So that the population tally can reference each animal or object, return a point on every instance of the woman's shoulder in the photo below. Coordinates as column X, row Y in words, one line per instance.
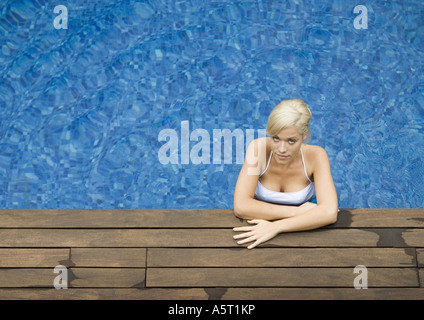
column 260, row 143
column 256, row 153
column 314, row 153
column 313, row 149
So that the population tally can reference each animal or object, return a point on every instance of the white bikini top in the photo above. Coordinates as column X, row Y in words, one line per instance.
column 288, row 198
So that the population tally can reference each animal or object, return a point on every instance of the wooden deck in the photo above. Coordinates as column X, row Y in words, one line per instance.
column 180, row 254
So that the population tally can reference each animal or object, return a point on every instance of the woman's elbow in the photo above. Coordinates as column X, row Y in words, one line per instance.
column 240, row 210
column 328, row 214
column 332, row 215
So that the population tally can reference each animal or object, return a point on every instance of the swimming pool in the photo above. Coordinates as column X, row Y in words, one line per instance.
column 86, row 109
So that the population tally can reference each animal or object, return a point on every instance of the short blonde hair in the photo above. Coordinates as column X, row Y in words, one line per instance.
column 289, row 113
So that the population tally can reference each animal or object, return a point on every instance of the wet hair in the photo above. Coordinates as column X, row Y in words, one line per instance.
column 289, row 113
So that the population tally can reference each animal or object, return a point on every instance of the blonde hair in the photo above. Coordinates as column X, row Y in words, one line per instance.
column 289, row 113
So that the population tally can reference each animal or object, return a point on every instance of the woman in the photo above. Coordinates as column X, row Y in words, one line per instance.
column 279, row 177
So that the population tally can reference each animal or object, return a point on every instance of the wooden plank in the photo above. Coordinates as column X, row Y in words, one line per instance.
column 77, row 277
column 21, row 258
column 103, row 294
column 189, row 218
column 118, row 218
column 420, row 258
column 115, row 237
column 242, row 294
column 277, row 277
column 413, row 237
column 280, row 257
column 41, row 277
column 178, row 238
column 379, row 218
column 108, row 257
column 246, row 294
column 108, row 277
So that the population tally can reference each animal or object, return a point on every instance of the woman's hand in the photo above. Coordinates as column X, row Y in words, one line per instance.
column 261, row 231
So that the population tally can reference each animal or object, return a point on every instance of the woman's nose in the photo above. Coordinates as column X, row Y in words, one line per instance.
column 282, row 147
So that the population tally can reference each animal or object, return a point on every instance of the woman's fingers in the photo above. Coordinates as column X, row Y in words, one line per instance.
column 242, row 229
column 249, row 235
column 262, row 231
column 246, row 240
column 242, row 235
column 255, row 221
column 254, row 244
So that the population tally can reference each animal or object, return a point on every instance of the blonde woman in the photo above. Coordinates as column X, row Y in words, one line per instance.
column 280, row 177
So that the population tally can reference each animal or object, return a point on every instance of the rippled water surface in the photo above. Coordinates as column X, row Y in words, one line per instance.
column 82, row 108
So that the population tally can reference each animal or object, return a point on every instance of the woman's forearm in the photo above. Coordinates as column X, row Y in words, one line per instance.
column 262, row 230
column 316, row 217
column 255, row 209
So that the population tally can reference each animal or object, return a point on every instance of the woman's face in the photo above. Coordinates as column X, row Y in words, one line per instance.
column 286, row 145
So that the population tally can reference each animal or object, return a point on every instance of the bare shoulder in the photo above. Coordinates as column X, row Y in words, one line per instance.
column 259, row 144
column 314, row 150
column 261, row 141
column 315, row 154
column 256, row 153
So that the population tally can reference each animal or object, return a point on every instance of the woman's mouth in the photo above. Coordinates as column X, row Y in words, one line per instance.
column 282, row 157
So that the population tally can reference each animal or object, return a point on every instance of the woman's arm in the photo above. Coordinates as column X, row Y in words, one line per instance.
column 324, row 213
column 245, row 206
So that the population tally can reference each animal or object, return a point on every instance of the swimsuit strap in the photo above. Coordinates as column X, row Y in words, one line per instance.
column 303, row 161
column 270, row 156
column 304, row 167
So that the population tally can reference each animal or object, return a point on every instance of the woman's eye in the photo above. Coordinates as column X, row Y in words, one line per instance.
column 276, row 139
column 292, row 141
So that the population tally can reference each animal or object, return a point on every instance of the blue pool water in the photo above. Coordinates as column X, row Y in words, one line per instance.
column 82, row 108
